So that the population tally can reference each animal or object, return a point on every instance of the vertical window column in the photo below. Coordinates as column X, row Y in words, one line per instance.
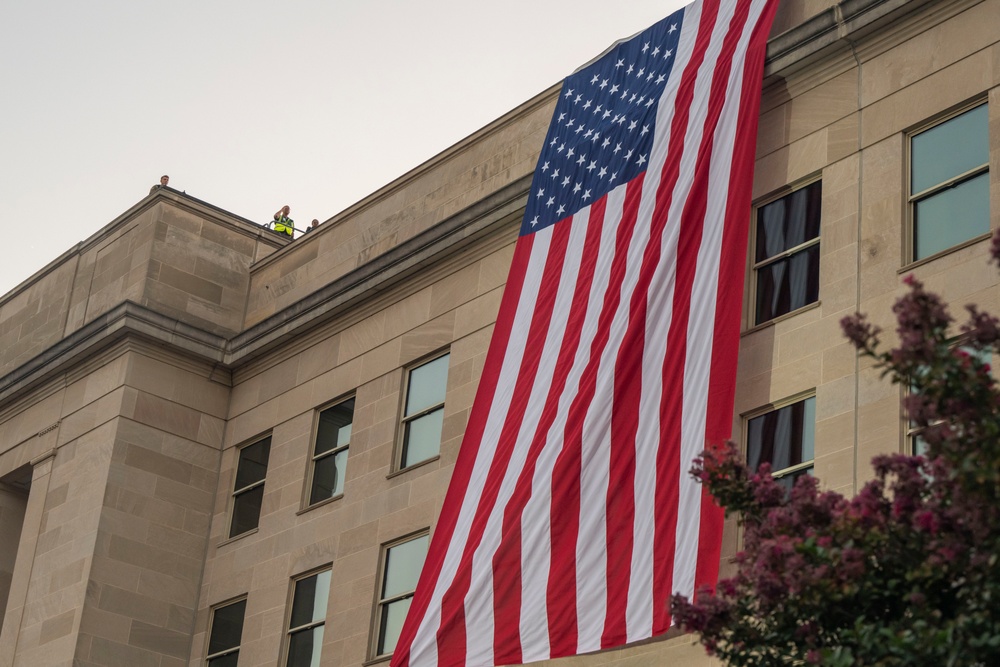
column 401, row 565
column 333, row 438
column 248, row 488
column 423, row 412
column 786, row 253
column 307, row 620
column 950, row 182
column 784, row 438
column 224, row 638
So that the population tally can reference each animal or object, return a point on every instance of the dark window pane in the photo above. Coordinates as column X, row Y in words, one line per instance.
column 304, row 647
column 427, row 385
column 423, row 437
column 328, row 477
column 951, row 216
column 788, row 284
column 789, row 221
column 228, row 660
column 782, row 437
column 950, row 149
column 335, row 427
column 402, row 567
column 227, row 627
column 309, row 602
column 391, row 623
column 252, row 465
column 246, row 510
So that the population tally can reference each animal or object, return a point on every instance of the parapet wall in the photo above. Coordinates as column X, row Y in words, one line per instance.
column 171, row 253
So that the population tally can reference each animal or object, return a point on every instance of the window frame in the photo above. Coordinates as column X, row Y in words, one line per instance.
column 911, row 432
column 754, row 266
column 383, row 561
column 313, row 458
column 211, row 626
column 402, row 440
column 235, row 493
column 801, row 397
column 911, row 198
column 288, row 632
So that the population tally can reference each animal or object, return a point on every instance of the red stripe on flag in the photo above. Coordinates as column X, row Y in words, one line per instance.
column 564, row 517
column 621, row 481
column 692, row 228
column 564, row 550
column 452, row 633
column 666, row 488
column 725, row 348
column 465, row 463
column 507, row 559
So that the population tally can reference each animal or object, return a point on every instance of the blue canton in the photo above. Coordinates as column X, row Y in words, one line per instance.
column 602, row 130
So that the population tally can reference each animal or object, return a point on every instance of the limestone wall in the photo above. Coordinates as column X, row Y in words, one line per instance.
column 847, row 125
column 169, row 252
column 13, row 504
column 501, row 153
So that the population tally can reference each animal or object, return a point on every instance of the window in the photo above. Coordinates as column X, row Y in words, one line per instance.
column 329, row 460
column 248, row 490
column 401, row 564
column 786, row 253
column 423, row 412
column 784, row 437
column 950, row 182
column 224, row 638
column 305, row 625
column 914, row 433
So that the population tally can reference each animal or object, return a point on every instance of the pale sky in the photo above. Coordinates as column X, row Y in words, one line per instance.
column 252, row 104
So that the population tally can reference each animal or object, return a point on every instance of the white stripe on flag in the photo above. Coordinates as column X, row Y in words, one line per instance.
column 592, row 552
column 639, row 616
column 701, row 330
column 424, row 646
column 479, row 609
column 535, row 527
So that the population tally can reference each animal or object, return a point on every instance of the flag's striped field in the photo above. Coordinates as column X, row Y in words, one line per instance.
column 571, row 516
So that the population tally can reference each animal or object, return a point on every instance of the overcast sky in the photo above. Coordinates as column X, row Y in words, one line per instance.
column 252, row 104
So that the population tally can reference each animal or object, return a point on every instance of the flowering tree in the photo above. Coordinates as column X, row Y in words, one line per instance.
column 905, row 573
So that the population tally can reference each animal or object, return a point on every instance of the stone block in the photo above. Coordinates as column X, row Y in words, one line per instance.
column 158, row 640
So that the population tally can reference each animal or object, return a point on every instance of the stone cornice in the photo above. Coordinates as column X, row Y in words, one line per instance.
column 498, row 212
column 125, row 319
column 832, row 30
column 495, row 212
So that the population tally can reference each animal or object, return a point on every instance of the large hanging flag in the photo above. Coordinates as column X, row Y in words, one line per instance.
column 571, row 516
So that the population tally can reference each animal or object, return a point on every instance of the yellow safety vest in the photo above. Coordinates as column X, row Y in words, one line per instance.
column 283, row 225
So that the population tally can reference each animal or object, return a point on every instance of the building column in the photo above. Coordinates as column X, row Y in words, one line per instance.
column 13, row 503
column 41, row 468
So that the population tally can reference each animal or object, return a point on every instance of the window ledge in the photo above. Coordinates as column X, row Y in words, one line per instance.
column 781, row 318
column 234, row 538
column 947, row 251
column 325, row 501
column 397, row 473
column 377, row 660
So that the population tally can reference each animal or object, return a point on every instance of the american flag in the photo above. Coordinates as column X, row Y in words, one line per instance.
column 571, row 517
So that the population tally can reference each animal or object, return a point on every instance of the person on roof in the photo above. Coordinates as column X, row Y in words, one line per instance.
column 282, row 223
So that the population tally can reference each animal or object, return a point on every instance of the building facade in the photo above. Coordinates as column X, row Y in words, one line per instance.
column 222, row 447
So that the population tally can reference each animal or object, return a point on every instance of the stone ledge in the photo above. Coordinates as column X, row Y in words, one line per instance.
column 485, row 216
column 125, row 319
column 832, row 30
column 488, row 216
